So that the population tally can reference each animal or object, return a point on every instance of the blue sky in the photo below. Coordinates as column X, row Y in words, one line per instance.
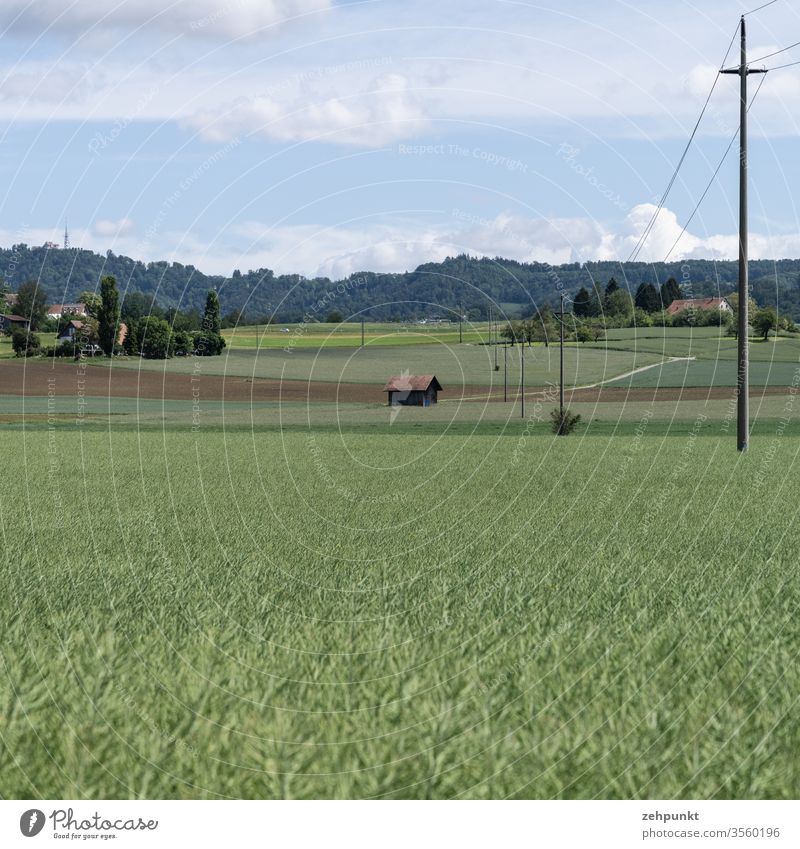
column 328, row 137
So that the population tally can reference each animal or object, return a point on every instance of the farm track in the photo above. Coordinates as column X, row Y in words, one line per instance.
column 69, row 379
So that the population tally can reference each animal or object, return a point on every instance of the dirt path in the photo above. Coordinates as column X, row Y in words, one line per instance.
column 635, row 371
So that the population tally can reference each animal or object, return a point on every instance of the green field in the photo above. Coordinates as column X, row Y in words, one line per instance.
column 348, row 334
column 712, row 362
column 298, row 615
column 453, row 365
column 301, row 600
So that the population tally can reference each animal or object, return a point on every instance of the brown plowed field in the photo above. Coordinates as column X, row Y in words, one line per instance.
column 18, row 377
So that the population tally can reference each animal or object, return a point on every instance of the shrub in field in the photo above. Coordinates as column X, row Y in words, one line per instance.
column 24, row 343
column 563, row 426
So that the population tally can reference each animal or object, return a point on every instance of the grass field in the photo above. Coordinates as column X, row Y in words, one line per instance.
column 348, row 334
column 311, row 614
column 708, row 359
column 453, row 365
column 337, row 599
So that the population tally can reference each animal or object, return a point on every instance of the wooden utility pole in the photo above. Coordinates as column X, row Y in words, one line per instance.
column 742, row 373
column 561, row 373
column 522, row 376
column 362, row 332
column 496, row 367
column 505, row 372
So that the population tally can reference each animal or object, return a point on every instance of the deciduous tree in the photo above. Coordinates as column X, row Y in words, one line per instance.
column 764, row 321
column 31, row 303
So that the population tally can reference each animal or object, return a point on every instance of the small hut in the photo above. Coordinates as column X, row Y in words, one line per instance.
column 411, row 390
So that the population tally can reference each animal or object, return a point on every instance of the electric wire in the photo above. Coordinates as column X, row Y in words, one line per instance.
column 774, row 53
column 643, row 238
column 787, row 65
column 759, row 8
column 713, row 176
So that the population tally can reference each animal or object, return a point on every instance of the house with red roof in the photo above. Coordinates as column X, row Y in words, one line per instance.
column 411, row 390
column 684, row 304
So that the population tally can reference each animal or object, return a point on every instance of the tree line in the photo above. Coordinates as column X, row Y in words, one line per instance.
column 133, row 325
column 457, row 285
column 592, row 312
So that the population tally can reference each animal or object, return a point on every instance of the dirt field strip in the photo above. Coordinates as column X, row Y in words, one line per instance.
column 43, row 377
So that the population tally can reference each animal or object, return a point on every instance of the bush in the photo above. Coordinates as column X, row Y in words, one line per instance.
column 567, row 425
column 208, row 344
column 184, row 343
column 701, row 318
column 65, row 349
column 24, row 343
column 153, row 339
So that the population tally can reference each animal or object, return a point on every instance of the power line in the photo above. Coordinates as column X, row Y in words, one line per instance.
column 713, row 176
column 643, row 238
column 787, row 65
column 774, row 53
column 759, row 8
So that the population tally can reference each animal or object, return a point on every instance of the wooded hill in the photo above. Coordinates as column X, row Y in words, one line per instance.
column 431, row 290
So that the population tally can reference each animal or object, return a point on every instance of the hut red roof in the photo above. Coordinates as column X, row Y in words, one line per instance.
column 411, row 383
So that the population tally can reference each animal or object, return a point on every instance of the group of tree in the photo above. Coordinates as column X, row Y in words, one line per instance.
column 615, row 301
column 457, row 284
column 134, row 325
column 156, row 335
column 595, row 312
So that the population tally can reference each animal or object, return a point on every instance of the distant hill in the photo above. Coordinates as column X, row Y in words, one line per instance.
column 433, row 289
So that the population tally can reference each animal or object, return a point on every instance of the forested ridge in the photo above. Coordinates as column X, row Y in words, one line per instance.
column 433, row 289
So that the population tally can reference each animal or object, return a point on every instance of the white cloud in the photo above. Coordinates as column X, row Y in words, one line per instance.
column 224, row 18
column 403, row 245
column 40, row 82
column 338, row 251
column 387, row 110
column 113, row 229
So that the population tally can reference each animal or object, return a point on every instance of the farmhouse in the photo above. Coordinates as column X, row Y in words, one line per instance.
column 72, row 330
column 75, row 327
column 412, row 390
column 57, row 310
column 684, row 304
column 9, row 321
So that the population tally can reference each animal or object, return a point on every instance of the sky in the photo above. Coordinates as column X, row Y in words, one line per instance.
column 324, row 137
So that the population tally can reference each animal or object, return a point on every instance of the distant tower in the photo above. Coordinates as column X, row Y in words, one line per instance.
column 66, row 236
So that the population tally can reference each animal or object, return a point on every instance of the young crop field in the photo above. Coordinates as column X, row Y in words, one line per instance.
column 638, row 357
column 352, row 614
column 246, row 576
column 348, row 334
column 454, row 365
